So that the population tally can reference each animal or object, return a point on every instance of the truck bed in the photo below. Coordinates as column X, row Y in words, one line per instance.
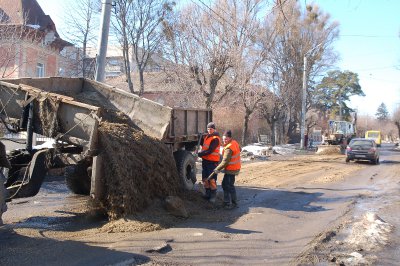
column 82, row 102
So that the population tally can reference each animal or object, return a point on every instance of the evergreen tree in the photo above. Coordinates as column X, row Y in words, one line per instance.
column 334, row 91
column 382, row 113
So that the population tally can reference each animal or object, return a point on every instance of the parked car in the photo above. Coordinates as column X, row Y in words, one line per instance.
column 362, row 149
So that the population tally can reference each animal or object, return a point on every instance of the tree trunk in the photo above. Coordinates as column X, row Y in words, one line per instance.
column 291, row 129
column 274, row 133
column 210, row 96
column 245, row 126
column 127, row 66
column 141, row 80
column 83, row 59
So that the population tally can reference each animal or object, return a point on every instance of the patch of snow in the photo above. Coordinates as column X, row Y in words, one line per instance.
column 356, row 259
column 256, row 149
column 284, row 149
column 370, row 233
column 46, row 145
column 36, row 27
column 356, row 255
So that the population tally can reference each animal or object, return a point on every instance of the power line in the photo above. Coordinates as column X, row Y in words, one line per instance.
column 378, row 68
column 368, row 36
column 280, row 5
column 212, row 11
column 384, row 80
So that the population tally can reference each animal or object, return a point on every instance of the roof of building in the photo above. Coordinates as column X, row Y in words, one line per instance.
column 29, row 13
column 154, row 82
column 112, row 51
column 26, row 12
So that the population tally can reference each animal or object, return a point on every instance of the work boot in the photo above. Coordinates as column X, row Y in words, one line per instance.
column 213, row 196
column 234, row 204
column 208, row 194
column 227, row 205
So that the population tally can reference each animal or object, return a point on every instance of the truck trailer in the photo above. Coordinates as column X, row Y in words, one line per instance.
column 74, row 124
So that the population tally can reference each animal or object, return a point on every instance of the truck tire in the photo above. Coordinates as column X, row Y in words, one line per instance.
column 186, row 166
column 78, row 179
column 30, row 178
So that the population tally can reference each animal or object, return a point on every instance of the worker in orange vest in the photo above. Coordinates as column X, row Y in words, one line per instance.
column 230, row 165
column 210, row 155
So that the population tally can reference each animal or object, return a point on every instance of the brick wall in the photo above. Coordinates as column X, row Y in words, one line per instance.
column 8, row 61
column 34, row 54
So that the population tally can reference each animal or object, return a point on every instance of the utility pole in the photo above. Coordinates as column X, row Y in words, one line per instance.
column 304, row 98
column 303, row 104
column 340, row 105
column 103, row 40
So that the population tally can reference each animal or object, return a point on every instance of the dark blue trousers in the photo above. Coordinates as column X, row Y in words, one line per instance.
column 228, row 185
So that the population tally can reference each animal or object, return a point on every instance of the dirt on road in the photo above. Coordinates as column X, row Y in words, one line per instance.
column 299, row 210
column 274, row 173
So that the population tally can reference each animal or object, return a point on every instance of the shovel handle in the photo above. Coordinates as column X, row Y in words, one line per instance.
column 208, row 178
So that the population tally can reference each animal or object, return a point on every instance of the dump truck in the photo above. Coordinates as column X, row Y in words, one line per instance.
column 340, row 132
column 338, row 136
column 76, row 131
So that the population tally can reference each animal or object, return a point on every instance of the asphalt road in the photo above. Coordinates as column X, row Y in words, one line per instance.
column 272, row 226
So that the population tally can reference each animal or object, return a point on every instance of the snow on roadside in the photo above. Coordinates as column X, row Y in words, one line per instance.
column 256, row 149
column 285, row 149
column 260, row 149
column 370, row 233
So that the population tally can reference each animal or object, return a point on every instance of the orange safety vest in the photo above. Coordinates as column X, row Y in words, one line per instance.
column 214, row 156
column 234, row 163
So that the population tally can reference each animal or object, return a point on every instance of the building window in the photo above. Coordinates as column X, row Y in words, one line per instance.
column 40, row 70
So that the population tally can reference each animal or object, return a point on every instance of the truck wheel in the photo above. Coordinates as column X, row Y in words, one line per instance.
column 30, row 178
column 186, row 165
column 78, row 179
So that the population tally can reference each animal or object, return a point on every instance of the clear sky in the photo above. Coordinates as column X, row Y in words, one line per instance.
column 369, row 45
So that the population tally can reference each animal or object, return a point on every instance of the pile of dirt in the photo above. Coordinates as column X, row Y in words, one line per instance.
column 137, row 169
column 156, row 217
column 328, row 149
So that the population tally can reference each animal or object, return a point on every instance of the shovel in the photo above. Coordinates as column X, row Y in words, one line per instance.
column 197, row 146
column 208, row 178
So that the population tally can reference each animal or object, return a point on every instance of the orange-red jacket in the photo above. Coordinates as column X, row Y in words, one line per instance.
column 214, row 156
column 234, row 164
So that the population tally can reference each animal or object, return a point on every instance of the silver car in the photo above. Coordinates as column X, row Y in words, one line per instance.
column 362, row 149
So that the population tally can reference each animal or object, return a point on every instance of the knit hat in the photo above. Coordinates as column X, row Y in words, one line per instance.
column 228, row 133
column 211, row 125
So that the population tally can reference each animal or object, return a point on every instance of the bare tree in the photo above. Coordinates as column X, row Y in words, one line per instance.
column 81, row 20
column 299, row 34
column 396, row 120
column 250, row 48
column 121, row 29
column 199, row 49
column 138, row 25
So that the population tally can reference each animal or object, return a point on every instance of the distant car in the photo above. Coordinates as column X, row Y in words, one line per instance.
column 362, row 149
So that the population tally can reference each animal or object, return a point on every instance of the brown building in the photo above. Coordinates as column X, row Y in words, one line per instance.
column 29, row 43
